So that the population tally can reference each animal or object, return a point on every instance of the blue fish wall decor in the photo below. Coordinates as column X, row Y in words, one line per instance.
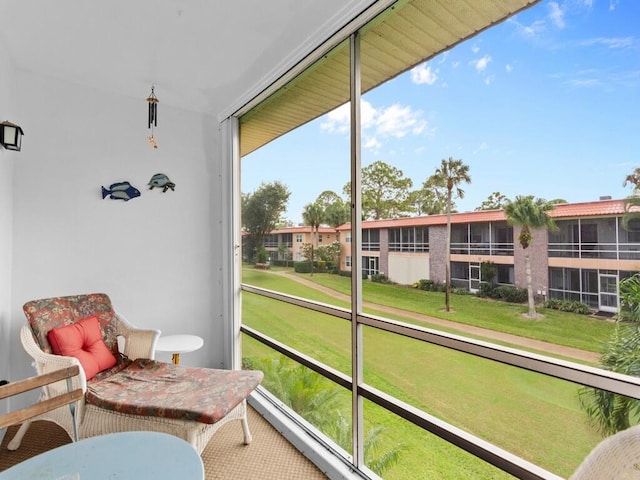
column 160, row 180
column 121, row 191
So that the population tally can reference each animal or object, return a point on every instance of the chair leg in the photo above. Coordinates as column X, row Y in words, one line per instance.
column 245, row 429
column 15, row 442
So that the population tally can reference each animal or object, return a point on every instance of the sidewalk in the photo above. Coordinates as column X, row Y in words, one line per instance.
column 542, row 347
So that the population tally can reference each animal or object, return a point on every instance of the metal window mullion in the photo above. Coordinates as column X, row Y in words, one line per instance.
column 356, row 252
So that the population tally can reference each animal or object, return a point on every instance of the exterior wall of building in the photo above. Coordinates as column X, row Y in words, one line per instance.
column 407, row 268
column 573, row 259
column 438, row 257
column 384, row 251
column 539, row 262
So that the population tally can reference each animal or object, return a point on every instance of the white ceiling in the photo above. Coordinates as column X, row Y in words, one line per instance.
column 201, row 55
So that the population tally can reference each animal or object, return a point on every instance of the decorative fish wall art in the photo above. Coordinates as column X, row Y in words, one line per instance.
column 160, row 180
column 121, row 191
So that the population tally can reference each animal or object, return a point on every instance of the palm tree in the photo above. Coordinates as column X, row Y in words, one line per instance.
column 529, row 214
column 313, row 215
column 609, row 411
column 318, row 401
column 450, row 175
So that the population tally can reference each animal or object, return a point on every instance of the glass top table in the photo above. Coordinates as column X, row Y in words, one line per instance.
column 125, row 456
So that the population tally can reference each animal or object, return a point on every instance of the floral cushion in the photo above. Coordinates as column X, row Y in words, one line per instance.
column 49, row 313
column 151, row 388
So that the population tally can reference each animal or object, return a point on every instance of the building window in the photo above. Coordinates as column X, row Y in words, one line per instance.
column 347, row 261
column 319, row 238
column 298, row 238
column 347, row 237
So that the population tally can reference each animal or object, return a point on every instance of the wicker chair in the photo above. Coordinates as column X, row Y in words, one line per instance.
column 191, row 403
column 615, row 458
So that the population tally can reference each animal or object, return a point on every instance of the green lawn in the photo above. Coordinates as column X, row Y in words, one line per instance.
column 528, row 414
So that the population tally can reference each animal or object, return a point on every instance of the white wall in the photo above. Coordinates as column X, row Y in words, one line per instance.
column 6, row 171
column 406, row 268
column 153, row 254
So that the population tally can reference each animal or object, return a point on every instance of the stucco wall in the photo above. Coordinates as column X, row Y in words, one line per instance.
column 406, row 268
column 157, row 256
column 7, row 160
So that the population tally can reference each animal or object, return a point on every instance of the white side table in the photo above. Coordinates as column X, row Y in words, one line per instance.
column 177, row 344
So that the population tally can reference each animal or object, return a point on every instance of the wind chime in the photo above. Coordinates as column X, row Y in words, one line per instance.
column 153, row 101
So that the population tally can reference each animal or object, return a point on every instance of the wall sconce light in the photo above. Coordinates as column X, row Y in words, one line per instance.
column 11, row 136
column 153, row 101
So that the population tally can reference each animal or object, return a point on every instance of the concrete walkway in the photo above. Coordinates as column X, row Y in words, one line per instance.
column 540, row 346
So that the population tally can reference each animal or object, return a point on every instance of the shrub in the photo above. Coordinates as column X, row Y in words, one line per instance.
column 431, row 286
column 511, row 294
column 487, row 290
column 571, row 306
column 302, row 267
column 380, row 278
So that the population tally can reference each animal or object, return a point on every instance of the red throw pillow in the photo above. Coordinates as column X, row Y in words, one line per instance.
column 83, row 340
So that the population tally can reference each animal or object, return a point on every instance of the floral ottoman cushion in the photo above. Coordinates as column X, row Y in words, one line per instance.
column 159, row 389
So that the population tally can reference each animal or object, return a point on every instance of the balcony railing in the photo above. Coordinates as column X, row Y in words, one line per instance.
column 482, row 248
column 553, row 368
column 408, row 247
column 610, row 251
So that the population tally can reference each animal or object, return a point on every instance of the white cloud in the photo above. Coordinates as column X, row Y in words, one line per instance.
column 481, row 64
column 508, row 68
column 556, row 14
column 423, row 74
column 482, row 146
column 529, row 31
column 337, row 121
column 611, row 42
column 475, row 48
column 378, row 124
column 397, row 121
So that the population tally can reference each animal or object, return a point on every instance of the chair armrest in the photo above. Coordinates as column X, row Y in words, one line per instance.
column 138, row 342
column 48, row 362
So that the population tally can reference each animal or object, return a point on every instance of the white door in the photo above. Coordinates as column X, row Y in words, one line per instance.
column 474, row 277
column 608, row 298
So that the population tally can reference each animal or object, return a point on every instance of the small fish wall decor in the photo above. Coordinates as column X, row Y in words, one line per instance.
column 160, row 180
column 121, row 191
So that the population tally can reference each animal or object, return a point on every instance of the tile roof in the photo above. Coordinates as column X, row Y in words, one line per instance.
column 598, row 208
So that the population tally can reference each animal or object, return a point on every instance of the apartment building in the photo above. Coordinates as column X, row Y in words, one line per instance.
column 583, row 260
column 286, row 243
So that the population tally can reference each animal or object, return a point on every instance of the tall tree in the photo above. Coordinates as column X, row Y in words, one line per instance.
column 429, row 200
column 261, row 211
column 529, row 214
column 495, row 201
column 313, row 215
column 632, row 202
column 634, row 179
column 338, row 213
column 450, row 174
column 385, row 191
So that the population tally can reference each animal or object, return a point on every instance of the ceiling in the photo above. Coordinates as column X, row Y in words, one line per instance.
column 201, row 55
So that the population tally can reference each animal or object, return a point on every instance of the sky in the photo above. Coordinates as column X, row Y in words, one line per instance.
column 546, row 103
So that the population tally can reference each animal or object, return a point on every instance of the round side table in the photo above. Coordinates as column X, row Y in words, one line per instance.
column 177, row 344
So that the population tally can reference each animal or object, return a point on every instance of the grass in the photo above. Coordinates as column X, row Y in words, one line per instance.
column 528, row 414
column 562, row 328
